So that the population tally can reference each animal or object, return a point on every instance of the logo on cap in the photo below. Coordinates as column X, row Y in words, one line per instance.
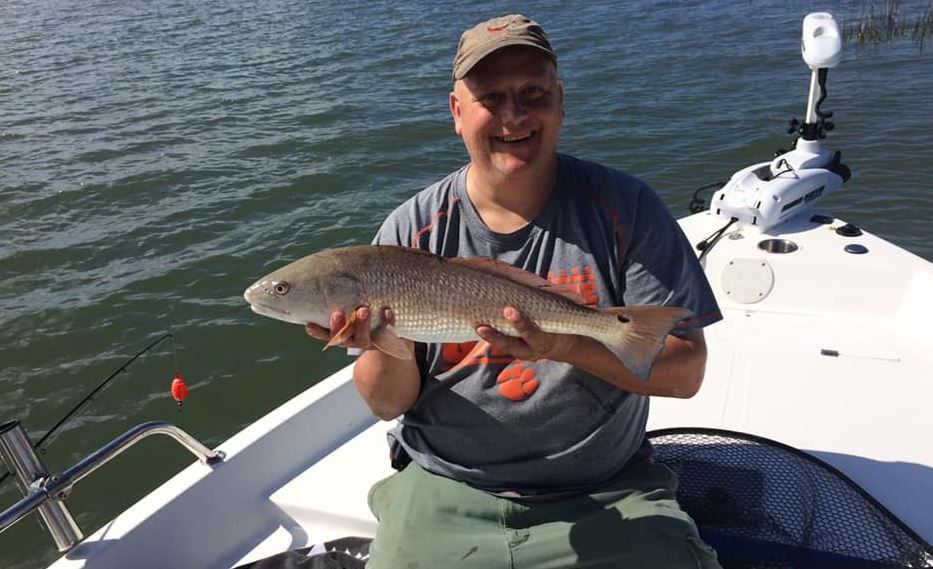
column 484, row 38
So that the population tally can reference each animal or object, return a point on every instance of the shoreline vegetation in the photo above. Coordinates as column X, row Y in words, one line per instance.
column 888, row 22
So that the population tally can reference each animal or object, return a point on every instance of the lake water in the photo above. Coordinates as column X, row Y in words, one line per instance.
column 156, row 158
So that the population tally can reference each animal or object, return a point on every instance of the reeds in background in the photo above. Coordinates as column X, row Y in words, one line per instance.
column 887, row 22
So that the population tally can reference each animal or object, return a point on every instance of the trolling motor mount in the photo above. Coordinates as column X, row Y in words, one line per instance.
column 769, row 193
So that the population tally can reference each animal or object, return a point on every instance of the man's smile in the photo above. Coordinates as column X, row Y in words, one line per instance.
column 514, row 138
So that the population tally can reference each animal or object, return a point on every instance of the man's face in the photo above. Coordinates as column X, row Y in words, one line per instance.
column 509, row 110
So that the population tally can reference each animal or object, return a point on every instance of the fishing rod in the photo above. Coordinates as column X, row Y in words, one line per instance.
column 178, row 391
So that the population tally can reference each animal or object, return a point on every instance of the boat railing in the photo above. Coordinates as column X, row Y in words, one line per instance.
column 46, row 492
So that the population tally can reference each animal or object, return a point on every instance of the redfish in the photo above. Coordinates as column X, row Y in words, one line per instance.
column 437, row 299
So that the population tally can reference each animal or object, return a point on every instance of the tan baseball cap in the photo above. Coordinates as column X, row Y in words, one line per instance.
column 491, row 35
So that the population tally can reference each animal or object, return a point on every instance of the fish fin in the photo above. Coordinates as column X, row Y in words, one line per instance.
column 383, row 338
column 404, row 248
column 498, row 268
column 517, row 275
column 642, row 335
column 390, row 343
column 343, row 334
column 478, row 349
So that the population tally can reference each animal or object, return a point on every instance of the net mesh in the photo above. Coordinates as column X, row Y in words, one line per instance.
column 762, row 504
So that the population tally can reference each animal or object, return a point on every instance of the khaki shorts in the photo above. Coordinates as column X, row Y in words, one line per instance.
column 431, row 522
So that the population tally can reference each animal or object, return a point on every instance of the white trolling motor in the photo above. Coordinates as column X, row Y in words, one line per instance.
column 768, row 193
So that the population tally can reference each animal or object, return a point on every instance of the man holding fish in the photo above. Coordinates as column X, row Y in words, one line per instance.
column 522, row 351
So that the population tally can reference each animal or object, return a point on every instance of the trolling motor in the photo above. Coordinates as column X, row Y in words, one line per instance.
column 768, row 193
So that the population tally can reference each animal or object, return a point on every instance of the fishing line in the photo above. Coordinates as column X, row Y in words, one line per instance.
column 104, row 384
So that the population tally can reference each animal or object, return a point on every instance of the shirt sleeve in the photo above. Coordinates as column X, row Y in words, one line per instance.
column 660, row 267
column 392, row 231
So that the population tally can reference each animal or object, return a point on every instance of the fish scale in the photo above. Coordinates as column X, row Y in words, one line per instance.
column 424, row 311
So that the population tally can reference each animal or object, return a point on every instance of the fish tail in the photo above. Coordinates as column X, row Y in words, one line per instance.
column 640, row 336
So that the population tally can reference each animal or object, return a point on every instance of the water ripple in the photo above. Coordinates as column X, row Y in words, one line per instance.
column 156, row 158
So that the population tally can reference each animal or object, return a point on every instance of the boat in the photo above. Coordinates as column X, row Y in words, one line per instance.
column 815, row 404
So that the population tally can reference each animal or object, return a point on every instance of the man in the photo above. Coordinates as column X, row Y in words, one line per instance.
column 530, row 451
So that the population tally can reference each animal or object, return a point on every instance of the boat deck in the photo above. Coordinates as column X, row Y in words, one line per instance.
column 820, row 349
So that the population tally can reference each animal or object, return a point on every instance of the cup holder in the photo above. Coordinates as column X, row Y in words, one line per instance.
column 777, row 246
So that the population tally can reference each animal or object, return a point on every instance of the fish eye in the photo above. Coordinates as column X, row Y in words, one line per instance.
column 280, row 287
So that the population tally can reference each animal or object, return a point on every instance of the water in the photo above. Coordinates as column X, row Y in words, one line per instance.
column 156, row 159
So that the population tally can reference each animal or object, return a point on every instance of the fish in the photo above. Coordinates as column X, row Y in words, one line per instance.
column 437, row 299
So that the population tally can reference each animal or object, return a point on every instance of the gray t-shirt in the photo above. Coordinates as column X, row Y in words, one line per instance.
column 507, row 425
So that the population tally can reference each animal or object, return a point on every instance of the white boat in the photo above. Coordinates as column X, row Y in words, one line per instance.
column 823, row 347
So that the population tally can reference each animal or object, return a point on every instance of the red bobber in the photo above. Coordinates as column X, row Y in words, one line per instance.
column 179, row 388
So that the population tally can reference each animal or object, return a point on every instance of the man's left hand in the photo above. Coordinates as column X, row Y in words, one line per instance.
column 532, row 343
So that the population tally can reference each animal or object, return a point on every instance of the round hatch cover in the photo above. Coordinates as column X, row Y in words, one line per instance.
column 746, row 281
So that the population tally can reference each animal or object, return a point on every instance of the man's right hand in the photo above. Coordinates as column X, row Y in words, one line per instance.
column 357, row 335
column 388, row 384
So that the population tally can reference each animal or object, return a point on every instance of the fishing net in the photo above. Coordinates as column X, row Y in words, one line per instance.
column 342, row 553
column 762, row 504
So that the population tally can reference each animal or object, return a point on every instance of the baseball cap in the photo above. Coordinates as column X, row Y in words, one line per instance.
column 491, row 35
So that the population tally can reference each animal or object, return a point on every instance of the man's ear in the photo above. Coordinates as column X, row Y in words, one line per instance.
column 456, row 112
column 560, row 91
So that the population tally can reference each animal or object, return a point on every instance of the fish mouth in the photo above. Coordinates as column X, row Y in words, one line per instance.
column 267, row 305
column 268, row 310
column 254, row 296
column 272, row 312
column 276, row 313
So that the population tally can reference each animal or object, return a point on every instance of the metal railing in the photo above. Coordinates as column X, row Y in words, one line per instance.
column 46, row 492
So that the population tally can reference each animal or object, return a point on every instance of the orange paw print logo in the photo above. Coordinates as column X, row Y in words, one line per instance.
column 517, row 382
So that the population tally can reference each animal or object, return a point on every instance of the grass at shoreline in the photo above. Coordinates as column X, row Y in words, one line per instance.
column 887, row 22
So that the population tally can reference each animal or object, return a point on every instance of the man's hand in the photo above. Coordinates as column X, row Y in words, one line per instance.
column 677, row 372
column 532, row 343
column 352, row 333
column 389, row 384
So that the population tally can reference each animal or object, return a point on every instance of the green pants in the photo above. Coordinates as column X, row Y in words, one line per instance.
column 431, row 522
